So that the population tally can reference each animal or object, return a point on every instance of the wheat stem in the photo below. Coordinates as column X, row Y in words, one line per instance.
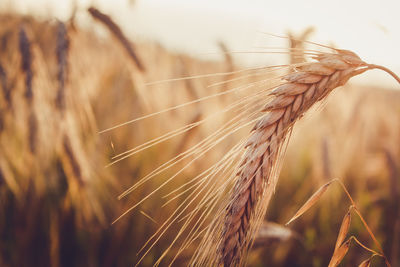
column 373, row 66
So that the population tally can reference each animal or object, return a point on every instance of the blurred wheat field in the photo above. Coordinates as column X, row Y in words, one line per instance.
column 61, row 85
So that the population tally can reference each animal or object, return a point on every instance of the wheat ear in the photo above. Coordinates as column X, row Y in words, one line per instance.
column 258, row 171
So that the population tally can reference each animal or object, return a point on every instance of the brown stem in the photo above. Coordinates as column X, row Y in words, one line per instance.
column 373, row 66
column 364, row 222
column 365, row 247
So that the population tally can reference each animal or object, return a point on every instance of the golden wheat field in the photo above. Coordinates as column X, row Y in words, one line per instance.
column 116, row 152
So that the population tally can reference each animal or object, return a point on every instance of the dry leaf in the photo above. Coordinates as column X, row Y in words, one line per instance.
column 365, row 263
column 270, row 232
column 339, row 254
column 344, row 229
column 310, row 202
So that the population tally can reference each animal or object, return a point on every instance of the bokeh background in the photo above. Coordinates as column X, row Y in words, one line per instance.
column 68, row 72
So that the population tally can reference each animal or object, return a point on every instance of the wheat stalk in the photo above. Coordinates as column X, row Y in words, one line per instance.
column 25, row 48
column 62, row 60
column 116, row 30
column 257, row 174
column 26, row 63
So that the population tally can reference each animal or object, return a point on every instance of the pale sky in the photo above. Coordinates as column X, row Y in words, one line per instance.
column 371, row 28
